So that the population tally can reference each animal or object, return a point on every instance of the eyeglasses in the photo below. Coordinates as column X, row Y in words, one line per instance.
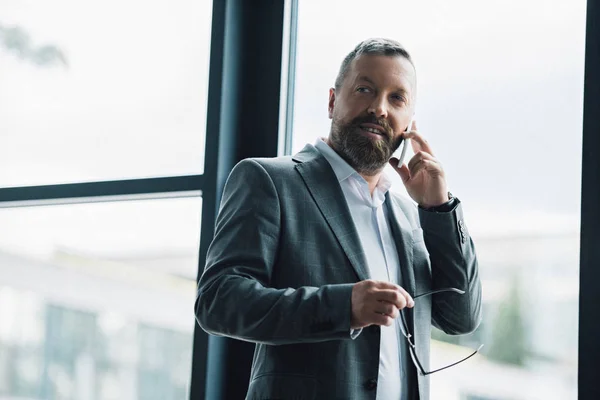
column 411, row 344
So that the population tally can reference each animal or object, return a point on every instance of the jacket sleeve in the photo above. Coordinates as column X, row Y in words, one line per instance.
column 234, row 298
column 453, row 264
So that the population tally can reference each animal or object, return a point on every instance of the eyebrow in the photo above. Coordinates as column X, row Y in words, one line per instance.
column 369, row 80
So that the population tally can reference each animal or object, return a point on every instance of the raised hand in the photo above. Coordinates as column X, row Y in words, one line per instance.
column 424, row 176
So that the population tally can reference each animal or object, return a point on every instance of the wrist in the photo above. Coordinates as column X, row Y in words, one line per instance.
column 438, row 202
column 446, row 206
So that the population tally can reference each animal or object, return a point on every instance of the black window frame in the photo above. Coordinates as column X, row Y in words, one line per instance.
column 589, row 272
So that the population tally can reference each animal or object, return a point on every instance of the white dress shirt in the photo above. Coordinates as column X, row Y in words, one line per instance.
column 371, row 221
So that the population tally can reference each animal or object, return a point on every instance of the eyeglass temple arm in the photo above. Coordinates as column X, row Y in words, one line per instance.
column 455, row 290
column 453, row 364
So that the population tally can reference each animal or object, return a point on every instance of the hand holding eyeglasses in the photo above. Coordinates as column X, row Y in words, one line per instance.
column 380, row 303
column 377, row 303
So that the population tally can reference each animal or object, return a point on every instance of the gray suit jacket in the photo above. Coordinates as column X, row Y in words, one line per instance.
column 280, row 271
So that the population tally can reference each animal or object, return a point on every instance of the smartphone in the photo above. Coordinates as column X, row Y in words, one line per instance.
column 404, row 143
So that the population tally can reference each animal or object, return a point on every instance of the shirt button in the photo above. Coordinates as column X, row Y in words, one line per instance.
column 371, row 384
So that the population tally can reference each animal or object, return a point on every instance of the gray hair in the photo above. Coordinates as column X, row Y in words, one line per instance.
column 375, row 46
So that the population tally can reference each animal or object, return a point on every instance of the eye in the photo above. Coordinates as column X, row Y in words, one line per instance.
column 363, row 89
column 398, row 97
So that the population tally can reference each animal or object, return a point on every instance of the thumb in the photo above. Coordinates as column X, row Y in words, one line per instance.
column 401, row 170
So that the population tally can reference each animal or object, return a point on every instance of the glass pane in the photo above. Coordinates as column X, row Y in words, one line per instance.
column 96, row 300
column 500, row 100
column 85, row 88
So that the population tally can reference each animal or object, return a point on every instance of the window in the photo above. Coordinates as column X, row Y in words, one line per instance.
column 500, row 100
column 96, row 299
column 102, row 91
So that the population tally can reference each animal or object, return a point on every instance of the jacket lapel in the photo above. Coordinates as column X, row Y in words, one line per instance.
column 403, row 237
column 327, row 193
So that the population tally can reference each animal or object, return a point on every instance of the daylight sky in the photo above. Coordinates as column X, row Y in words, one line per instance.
column 500, row 100
column 500, row 95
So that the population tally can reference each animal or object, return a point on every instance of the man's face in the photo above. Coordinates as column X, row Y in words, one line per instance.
column 371, row 110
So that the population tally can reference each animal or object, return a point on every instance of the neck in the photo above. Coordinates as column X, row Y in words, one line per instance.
column 372, row 180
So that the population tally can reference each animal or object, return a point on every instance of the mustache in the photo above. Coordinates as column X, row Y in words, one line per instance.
column 370, row 119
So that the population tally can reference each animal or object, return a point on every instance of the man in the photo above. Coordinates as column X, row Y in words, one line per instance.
column 314, row 260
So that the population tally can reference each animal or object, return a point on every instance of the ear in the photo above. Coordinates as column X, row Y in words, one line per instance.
column 331, row 102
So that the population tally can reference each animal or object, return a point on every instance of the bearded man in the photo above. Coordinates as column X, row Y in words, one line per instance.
column 336, row 279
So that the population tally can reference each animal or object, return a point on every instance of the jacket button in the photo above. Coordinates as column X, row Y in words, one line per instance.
column 371, row 384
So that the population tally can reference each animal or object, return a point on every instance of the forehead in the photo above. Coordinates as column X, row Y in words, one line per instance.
column 384, row 71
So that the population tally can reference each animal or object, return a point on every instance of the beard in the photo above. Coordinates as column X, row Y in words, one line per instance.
column 367, row 156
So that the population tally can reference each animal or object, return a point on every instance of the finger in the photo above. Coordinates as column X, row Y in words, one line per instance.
column 421, row 155
column 400, row 298
column 418, row 142
column 390, row 289
column 425, row 165
column 386, row 285
column 388, row 309
column 409, row 300
column 391, row 296
column 402, row 170
column 404, row 293
column 380, row 319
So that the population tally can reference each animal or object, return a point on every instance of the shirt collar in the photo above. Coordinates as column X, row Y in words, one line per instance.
column 343, row 170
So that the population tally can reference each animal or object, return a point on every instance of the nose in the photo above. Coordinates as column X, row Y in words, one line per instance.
column 379, row 107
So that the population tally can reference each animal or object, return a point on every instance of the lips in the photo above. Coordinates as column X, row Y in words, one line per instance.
column 373, row 128
column 373, row 131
